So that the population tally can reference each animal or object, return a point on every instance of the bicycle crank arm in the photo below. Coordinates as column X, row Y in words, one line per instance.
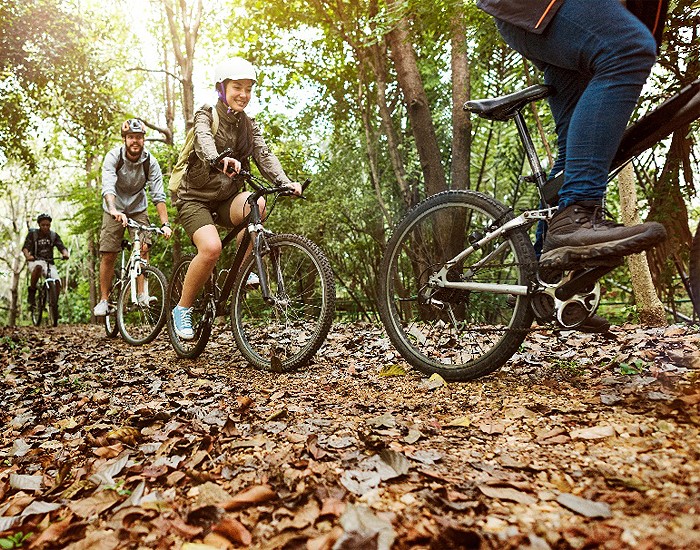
column 582, row 281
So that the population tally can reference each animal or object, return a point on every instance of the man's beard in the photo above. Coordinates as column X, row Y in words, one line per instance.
column 134, row 154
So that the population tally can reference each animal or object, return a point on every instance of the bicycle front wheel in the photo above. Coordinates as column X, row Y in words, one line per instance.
column 110, row 320
column 39, row 304
column 52, row 301
column 141, row 321
column 283, row 332
column 202, row 313
column 459, row 334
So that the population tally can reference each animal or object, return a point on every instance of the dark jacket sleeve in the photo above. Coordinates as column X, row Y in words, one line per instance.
column 652, row 13
column 531, row 15
column 58, row 243
column 29, row 242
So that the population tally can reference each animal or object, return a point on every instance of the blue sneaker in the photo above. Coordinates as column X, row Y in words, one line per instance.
column 182, row 322
column 252, row 282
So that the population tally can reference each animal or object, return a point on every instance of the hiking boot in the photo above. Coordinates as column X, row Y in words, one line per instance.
column 580, row 235
column 31, row 296
column 595, row 324
column 101, row 309
column 182, row 322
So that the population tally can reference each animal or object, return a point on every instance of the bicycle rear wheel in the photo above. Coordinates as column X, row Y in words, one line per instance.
column 139, row 323
column 110, row 320
column 202, row 313
column 39, row 304
column 284, row 333
column 459, row 334
column 52, row 302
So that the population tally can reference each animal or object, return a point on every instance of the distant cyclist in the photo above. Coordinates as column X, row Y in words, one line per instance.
column 126, row 172
column 38, row 250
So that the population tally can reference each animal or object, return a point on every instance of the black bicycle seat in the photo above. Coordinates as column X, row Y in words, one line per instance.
column 507, row 106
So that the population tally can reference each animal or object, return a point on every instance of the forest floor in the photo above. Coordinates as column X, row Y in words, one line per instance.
column 580, row 441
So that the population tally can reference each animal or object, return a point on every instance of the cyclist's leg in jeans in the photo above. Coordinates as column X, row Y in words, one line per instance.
column 605, row 43
column 569, row 86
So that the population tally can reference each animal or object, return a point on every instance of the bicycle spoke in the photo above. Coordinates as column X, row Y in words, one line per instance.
column 284, row 333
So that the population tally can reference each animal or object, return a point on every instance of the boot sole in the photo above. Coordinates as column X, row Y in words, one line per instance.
column 603, row 254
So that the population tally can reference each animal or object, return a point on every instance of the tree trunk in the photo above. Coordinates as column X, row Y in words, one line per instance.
column 461, row 123
column 184, row 30
column 392, row 137
column 411, row 84
column 17, row 266
column 650, row 308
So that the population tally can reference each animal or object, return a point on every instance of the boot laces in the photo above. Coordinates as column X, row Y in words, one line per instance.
column 597, row 215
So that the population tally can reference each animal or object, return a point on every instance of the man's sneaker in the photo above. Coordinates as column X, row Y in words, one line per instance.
column 580, row 235
column 101, row 309
column 253, row 281
column 31, row 296
column 182, row 322
column 144, row 300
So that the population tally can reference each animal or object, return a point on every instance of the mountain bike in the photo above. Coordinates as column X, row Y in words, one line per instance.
column 460, row 284
column 46, row 298
column 138, row 294
column 278, row 323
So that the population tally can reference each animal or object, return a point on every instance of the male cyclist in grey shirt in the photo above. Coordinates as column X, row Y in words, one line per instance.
column 126, row 172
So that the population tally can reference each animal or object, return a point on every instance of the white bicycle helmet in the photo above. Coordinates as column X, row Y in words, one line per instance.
column 235, row 68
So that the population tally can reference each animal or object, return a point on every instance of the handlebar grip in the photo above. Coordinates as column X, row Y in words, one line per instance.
column 218, row 161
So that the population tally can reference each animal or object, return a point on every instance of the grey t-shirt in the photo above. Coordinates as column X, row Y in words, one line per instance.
column 128, row 186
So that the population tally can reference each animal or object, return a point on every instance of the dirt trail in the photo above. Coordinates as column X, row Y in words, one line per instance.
column 581, row 441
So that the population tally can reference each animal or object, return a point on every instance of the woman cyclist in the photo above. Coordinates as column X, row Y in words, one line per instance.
column 207, row 191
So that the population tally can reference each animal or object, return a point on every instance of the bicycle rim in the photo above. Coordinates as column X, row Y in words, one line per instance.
column 285, row 334
column 139, row 323
column 202, row 315
column 39, row 303
column 459, row 334
column 52, row 303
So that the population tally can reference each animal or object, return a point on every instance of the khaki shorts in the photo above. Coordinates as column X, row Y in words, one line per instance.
column 193, row 215
column 46, row 268
column 112, row 231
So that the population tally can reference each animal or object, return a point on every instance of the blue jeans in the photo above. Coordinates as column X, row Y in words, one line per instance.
column 597, row 55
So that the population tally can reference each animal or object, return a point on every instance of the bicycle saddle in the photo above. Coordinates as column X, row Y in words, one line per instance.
column 507, row 106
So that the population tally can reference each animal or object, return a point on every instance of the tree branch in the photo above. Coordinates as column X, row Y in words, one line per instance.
column 156, row 71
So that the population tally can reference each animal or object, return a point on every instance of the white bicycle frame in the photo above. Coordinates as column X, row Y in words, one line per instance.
column 439, row 279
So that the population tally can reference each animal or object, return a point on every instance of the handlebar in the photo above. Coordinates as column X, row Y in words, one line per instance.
column 147, row 228
column 256, row 183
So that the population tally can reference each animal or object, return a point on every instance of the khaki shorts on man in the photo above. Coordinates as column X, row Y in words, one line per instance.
column 112, row 231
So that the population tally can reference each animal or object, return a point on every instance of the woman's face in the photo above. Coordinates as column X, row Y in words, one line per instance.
column 238, row 94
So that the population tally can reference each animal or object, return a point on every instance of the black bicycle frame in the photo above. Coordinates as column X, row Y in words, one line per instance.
column 254, row 219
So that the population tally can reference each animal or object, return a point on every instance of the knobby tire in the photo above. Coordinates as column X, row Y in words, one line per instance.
column 284, row 335
column 140, row 324
column 202, row 314
column 458, row 334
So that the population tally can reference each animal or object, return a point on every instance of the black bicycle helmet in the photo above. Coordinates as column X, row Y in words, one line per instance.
column 133, row 126
column 43, row 216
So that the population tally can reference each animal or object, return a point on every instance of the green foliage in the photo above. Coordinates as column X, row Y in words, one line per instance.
column 633, row 368
column 15, row 541
column 569, row 367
